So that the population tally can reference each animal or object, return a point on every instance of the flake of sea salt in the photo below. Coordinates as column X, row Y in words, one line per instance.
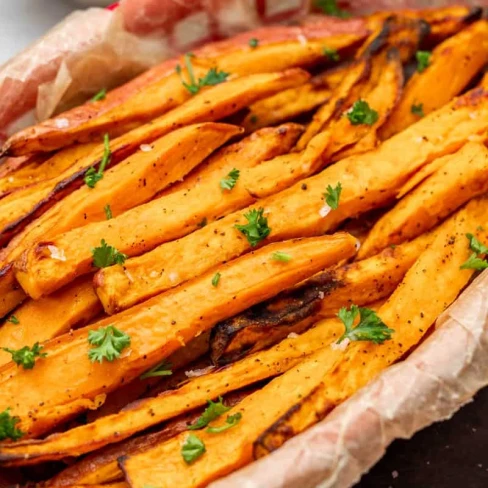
column 56, row 253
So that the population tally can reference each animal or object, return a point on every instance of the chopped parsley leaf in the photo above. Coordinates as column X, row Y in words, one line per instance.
column 362, row 113
column 370, row 326
column 109, row 342
column 257, row 228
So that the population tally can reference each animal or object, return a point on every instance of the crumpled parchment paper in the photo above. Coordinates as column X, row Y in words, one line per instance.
column 435, row 381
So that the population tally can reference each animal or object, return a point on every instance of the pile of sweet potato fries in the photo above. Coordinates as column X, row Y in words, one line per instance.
column 205, row 262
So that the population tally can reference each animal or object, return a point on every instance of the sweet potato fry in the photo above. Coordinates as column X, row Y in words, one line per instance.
column 369, row 181
column 410, row 311
column 359, row 283
column 160, row 89
column 328, row 377
column 244, row 282
column 130, row 183
column 214, row 103
column 40, row 169
column 285, row 105
column 355, row 73
column 260, row 146
column 462, row 177
column 425, row 91
column 49, row 317
column 169, row 220
column 152, row 411
column 102, row 466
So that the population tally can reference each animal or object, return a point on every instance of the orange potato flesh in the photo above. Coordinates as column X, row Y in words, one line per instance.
column 449, row 72
column 132, row 182
column 369, row 180
column 335, row 374
column 41, row 320
column 160, row 89
column 163, row 219
column 152, row 411
column 157, row 329
column 462, row 177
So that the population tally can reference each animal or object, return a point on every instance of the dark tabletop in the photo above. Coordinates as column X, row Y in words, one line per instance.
column 451, row 454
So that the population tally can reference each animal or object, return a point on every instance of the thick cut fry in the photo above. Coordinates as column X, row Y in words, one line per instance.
column 285, row 105
column 102, row 466
column 163, row 219
column 152, row 411
column 157, row 329
column 462, row 177
column 410, row 311
column 160, row 89
column 40, row 169
column 453, row 64
column 355, row 73
column 49, row 317
column 382, row 96
column 329, row 376
column 359, row 283
column 130, row 183
column 260, row 146
column 369, row 181
column 214, row 103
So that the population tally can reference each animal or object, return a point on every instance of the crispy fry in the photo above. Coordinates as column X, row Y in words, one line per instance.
column 359, row 283
column 214, row 103
column 329, row 376
column 49, row 317
column 410, row 311
column 160, row 89
column 152, row 411
column 244, row 282
column 449, row 63
column 260, row 146
column 102, row 466
column 369, row 181
column 285, row 105
column 40, row 169
column 130, row 183
column 169, row 219
column 463, row 176
column 355, row 73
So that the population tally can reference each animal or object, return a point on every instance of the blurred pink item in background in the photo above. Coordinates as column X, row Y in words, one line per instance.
column 102, row 48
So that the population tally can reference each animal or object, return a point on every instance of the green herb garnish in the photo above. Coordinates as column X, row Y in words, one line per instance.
column 161, row 369
column 332, row 196
column 92, row 177
column 192, row 449
column 213, row 411
column 423, row 60
column 100, row 95
column 216, row 279
column 417, row 109
column 332, row 54
column 231, row 421
column 8, row 429
column 213, row 76
column 362, row 113
column 281, row 256
column 108, row 211
column 110, row 342
column 230, row 180
column 105, row 255
column 254, row 43
column 370, row 326
column 13, row 320
column 257, row 228
column 330, row 7
column 26, row 356
column 475, row 261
